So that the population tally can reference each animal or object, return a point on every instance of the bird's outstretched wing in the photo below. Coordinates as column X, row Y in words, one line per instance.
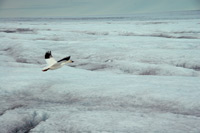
column 49, row 58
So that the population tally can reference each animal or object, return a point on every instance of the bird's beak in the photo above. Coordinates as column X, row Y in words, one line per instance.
column 70, row 61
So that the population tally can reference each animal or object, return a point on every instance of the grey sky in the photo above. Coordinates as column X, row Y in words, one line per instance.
column 73, row 8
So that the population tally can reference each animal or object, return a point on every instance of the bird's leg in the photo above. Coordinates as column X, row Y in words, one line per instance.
column 45, row 69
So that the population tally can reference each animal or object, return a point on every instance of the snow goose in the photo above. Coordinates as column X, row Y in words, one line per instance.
column 52, row 64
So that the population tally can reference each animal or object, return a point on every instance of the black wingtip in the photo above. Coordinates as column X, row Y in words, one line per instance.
column 65, row 59
column 48, row 55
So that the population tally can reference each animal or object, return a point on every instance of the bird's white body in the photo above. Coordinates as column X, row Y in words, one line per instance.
column 52, row 64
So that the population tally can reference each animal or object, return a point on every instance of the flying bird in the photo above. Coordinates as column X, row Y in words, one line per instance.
column 52, row 64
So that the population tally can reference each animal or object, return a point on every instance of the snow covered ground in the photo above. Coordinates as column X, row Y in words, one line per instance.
column 130, row 75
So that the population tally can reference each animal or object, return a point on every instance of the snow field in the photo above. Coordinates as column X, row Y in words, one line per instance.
column 128, row 76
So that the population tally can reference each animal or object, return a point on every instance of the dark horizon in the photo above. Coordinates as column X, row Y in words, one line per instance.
column 192, row 14
column 85, row 8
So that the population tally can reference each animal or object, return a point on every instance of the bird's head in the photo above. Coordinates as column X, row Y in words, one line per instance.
column 69, row 61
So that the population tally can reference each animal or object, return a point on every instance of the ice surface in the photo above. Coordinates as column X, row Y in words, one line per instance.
column 128, row 76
